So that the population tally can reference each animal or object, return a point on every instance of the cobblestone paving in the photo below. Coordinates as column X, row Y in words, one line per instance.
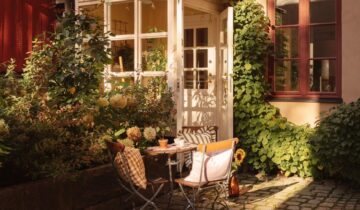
column 284, row 193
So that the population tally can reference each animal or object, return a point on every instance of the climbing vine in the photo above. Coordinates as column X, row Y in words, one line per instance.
column 271, row 141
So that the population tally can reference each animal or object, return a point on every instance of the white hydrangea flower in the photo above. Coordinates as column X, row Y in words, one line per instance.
column 149, row 133
column 118, row 101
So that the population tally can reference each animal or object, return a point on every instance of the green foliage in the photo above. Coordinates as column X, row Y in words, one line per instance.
column 337, row 141
column 270, row 140
column 50, row 110
column 154, row 58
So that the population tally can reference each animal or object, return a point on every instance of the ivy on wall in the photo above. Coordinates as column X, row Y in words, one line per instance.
column 271, row 141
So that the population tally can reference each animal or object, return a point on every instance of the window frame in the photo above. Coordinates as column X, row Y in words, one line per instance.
column 137, row 37
column 304, row 26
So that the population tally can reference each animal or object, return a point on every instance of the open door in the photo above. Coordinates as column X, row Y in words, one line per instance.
column 226, row 71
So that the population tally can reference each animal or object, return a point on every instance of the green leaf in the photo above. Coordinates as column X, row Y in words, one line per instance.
column 248, row 66
column 293, row 169
column 119, row 132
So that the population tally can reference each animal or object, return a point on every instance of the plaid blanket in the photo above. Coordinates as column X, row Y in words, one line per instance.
column 132, row 169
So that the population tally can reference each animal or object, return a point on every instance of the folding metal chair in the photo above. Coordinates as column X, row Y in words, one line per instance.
column 220, row 186
column 126, row 182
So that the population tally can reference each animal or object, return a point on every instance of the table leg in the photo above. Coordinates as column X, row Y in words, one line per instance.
column 171, row 181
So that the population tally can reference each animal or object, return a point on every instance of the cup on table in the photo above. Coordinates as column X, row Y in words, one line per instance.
column 179, row 142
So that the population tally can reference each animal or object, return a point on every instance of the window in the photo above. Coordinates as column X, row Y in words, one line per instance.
column 306, row 59
column 139, row 44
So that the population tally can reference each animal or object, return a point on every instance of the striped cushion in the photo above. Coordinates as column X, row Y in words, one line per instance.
column 206, row 129
column 197, row 138
column 209, row 130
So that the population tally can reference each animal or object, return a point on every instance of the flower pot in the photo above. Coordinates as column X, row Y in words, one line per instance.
column 163, row 143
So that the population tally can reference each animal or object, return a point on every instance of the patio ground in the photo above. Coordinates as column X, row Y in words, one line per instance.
column 284, row 193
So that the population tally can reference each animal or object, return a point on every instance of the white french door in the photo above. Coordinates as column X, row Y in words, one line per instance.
column 199, row 74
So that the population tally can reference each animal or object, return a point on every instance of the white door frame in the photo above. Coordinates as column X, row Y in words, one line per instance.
column 228, row 120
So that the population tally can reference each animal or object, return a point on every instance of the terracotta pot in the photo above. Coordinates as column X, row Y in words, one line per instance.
column 163, row 143
column 234, row 190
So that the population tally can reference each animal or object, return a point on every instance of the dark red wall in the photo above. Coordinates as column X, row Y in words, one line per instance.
column 20, row 22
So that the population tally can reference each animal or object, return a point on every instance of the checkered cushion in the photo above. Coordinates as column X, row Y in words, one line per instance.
column 136, row 173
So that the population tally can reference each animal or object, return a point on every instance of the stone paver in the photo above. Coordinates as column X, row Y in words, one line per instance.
column 283, row 193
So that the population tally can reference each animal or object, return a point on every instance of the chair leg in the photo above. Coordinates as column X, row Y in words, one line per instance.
column 191, row 204
column 150, row 201
column 220, row 189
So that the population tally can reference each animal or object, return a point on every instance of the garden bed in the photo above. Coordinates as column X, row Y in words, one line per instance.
column 91, row 187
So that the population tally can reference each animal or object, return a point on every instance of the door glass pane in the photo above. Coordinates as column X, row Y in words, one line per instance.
column 95, row 11
column 201, row 58
column 122, row 18
column 154, row 16
column 322, row 41
column 122, row 55
column 189, row 79
column 201, row 37
column 202, row 78
column 154, row 54
column 286, row 75
column 188, row 58
column 287, row 12
column 286, row 42
column 322, row 75
column 223, row 33
column 189, row 38
column 322, row 11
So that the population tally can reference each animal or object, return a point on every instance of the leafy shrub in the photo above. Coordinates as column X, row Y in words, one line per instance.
column 337, row 141
column 270, row 140
column 51, row 106
column 57, row 118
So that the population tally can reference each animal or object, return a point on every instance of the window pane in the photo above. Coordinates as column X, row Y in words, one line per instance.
column 322, row 41
column 188, row 58
column 286, row 75
column 96, row 11
column 145, row 81
column 122, row 18
column 154, row 13
column 322, row 11
column 189, row 38
column 287, row 12
column 118, row 82
column 189, row 79
column 202, row 78
column 322, row 75
column 123, row 55
column 201, row 37
column 201, row 58
column 286, row 43
column 154, row 54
